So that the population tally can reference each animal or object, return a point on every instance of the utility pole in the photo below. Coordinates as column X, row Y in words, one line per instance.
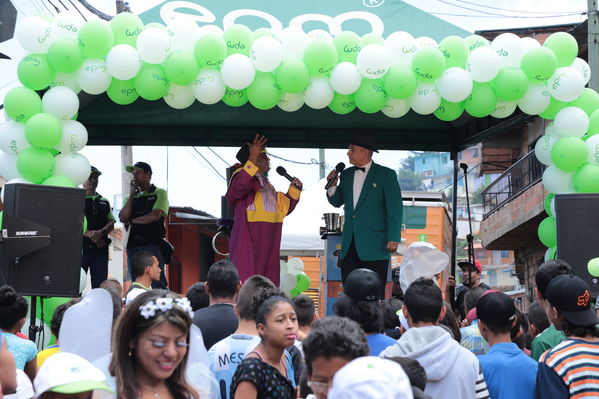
column 321, row 160
column 593, row 43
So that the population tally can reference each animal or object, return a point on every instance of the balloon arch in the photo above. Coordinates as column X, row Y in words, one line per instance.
column 181, row 63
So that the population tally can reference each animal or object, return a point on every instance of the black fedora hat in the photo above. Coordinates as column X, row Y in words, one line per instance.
column 364, row 139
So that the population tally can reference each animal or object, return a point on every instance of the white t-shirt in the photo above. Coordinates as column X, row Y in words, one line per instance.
column 137, row 290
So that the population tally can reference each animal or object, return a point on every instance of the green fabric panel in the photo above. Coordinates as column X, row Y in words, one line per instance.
column 414, row 217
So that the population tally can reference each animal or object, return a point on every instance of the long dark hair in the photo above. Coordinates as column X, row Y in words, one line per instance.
column 130, row 326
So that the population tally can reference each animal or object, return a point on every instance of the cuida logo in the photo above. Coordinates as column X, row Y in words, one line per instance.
column 372, row 3
column 583, row 300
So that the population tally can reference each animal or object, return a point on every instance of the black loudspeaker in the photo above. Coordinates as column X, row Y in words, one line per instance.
column 577, row 217
column 42, row 231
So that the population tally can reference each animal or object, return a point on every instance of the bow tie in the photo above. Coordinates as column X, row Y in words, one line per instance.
column 362, row 169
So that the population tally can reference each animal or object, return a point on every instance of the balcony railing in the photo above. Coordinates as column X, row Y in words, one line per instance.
column 516, row 179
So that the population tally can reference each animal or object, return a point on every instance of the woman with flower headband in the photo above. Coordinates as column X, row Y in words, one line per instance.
column 149, row 349
column 258, row 210
column 267, row 371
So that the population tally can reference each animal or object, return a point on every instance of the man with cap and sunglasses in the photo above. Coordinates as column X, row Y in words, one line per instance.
column 470, row 280
column 143, row 214
column 100, row 222
column 571, row 368
column 373, row 210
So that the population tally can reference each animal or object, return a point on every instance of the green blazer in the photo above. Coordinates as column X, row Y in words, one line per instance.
column 377, row 217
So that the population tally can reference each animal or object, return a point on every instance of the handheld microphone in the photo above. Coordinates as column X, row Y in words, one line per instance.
column 281, row 171
column 338, row 169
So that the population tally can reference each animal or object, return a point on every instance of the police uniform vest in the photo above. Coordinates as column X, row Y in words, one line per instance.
column 143, row 234
column 97, row 209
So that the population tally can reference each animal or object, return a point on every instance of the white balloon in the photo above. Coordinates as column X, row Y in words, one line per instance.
column 184, row 32
column 557, row 181
column 12, row 137
column 8, row 167
column 581, row 66
column 550, row 129
column 426, row 98
column 503, row 108
column 509, row 49
column 210, row 29
column 291, row 102
column 69, row 80
column 425, row 41
column 266, row 54
column 566, row 84
column 548, row 254
column 455, row 85
column 483, row 64
column 14, row 180
column 179, row 97
column 528, row 43
column 153, row 45
column 61, row 102
column 66, row 26
column 571, row 121
column 93, row 76
column 373, row 61
column 345, row 78
column 294, row 42
column 34, row 34
column 287, row 282
column 238, row 71
column 73, row 165
column 319, row 34
column 295, row 266
column 535, row 100
column 396, row 108
column 552, row 206
column 123, row 62
column 74, row 137
column 401, row 47
column 319, row 93
column 593, row 147
column 543, row 148
column 208, row 87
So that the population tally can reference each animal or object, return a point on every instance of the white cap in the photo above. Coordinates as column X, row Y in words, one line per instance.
column 66, row 372
column 371, row 378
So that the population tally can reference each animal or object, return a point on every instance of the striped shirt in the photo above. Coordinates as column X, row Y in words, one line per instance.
column 570, row 369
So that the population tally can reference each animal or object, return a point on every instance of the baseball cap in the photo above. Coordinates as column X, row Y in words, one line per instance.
column 496, row 308
column 572, row 297
column 466, row 263
column 139, row 165
column 68, row 373
column 363, row 285
column 95, row 170
column 370, row 377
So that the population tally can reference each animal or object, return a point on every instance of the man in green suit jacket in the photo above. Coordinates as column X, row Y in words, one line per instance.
column 373, row 209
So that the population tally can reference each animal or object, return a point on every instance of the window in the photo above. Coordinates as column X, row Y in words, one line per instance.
column 459, row 156
column 475, row 152
column 505, row 254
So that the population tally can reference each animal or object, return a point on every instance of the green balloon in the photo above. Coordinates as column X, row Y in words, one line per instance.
column 475, row 41
column 320, row 57
column 569, row 153
column 548, row 232
column 239, row 39
column 510, row 84
column 342, row 104
column 449, row 111
column 43, row 131
column 371, row 96
column 65, row 55
column 151, row 82
column 482, row 101
column 588, row 101
column 586, row 179
column 22, row 103
column 95, row 39
column 125, row 28
column 84, row 224
column 348, row 45
column 210, row 51
column 122, row 92
column 547, row 204
column 59, row 181
column 181, row 68
column 264, row 92
column 302, row 282
column 564, row 46
column 35, row 72
column 592, row 266
column 455, row 50
column 428, row 63
column 554, row 107
column 400, row 82
column 293, row 76
column 235, row 98
column 593, row 122
column 372, row 38
column 35, row 164
column 263, row 32
column 539, row 64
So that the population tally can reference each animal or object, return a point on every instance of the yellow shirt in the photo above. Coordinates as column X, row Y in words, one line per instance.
column 46, row 353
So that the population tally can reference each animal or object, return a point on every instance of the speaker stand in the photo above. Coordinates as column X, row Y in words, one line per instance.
column 33, row 328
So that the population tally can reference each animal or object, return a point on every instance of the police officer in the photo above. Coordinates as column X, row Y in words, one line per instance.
column 100, row 223
column 143, row 214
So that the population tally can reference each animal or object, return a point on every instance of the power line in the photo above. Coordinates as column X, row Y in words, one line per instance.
column 487, row 14
column 213, row 168
column 219, row 157
column 312, row 161
column 509, row 10
column 505, row 16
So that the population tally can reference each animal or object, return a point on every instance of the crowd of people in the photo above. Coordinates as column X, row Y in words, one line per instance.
column 258, row 343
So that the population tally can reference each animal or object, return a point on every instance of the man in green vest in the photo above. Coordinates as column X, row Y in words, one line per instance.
column 373, row 210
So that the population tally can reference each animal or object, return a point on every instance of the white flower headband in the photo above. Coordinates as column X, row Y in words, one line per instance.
column 165, row 304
